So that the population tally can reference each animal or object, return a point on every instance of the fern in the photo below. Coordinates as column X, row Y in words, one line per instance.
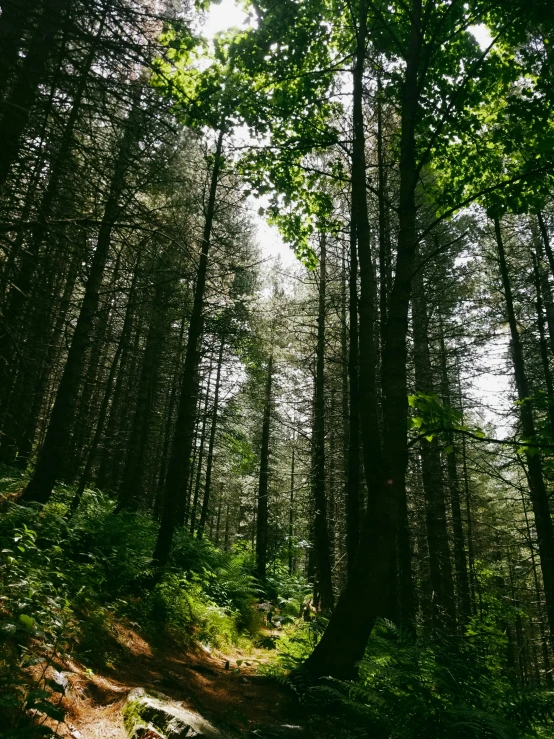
column 434, row 687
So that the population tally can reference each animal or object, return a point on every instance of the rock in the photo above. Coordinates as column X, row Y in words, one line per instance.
column 163, row 718
column 278, row 732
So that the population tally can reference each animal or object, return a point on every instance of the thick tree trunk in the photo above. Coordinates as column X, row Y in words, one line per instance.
column 179, row 464
column 50, row 459
column 369, row 587
column 321, row 531
column 263, row 484
column 537, row 489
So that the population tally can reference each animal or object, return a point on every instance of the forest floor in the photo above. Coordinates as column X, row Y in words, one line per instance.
column 234, row 698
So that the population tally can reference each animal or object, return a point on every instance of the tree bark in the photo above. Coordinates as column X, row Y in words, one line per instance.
column 132, row 485
column 321, row 531
column 537, row 488
column 50, row 459
column 343, row 644
column 19, row 103
column 200, row 454
column 210, row 457
column 353, row 511
column 543, row 344
column 440, row 568
column 263, row 484
column 102, row 415
column 460, row 558
column 179, row 465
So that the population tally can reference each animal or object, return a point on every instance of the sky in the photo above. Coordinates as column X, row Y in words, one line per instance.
column 489, row 385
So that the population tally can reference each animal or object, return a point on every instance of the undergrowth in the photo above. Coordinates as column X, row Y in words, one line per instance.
column 66, row 584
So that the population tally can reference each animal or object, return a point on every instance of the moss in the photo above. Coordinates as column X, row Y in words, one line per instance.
column 132, row 719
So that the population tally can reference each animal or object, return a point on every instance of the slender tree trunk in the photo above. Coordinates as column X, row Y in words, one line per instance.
column 543, row 344
column 132, row 484
column 227, row 529
column 18, row 105
column 291, row 512
column 467, row 499
column 210, row 457
column 179, row 464
column 22, row 281
column 50, row 459
column 14, row 20
column 200, row 454
column 321, row 530
column 460, row 558
column 170, row 412
column 25, row 445
column 538, row 593
column 102, row 415
column 263, row 485
column 440, row 568
column 537, row 489
column 546, row 241
column 353, row 511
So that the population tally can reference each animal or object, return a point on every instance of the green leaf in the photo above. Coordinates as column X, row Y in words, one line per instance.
column 27, row 621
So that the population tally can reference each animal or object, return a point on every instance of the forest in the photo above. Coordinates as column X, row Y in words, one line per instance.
column 277, row 369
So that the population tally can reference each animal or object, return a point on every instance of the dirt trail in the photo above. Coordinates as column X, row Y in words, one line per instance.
column 236, row 700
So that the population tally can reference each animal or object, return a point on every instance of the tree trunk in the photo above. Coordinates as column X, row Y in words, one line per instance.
column 543, row 344
column 460, row 558
column 368, row 588
column 200, row 454
column 263, row 485
column 132, row 485
column 291, row 512
column 321, row 531
column 19, row 103
column 537, row 489
column 50, row 459
column 353, row 511
column 102, row 415
column 210, row 457
column 440, row 568
column 179, row 464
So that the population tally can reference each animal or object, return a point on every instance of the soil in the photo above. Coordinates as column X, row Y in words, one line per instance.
column 234, row 698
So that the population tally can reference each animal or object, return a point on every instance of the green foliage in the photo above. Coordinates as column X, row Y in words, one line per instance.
column 437, row 687
column 434, row 417
column 65, row 584
column 36, row 621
